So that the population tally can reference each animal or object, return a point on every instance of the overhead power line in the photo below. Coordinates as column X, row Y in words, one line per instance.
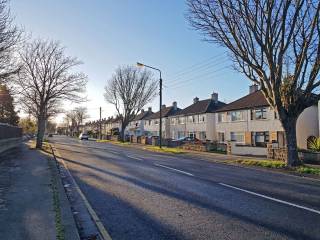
column 191, row 80
column 196, row 65
column 199, row 71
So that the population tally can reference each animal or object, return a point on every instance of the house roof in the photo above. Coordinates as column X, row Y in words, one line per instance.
column 142, row 115
column 203, row 106
column 252, row 100
column 166, row 112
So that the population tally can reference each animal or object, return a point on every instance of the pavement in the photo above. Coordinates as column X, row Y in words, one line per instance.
column 139, row 194
column 27, row 209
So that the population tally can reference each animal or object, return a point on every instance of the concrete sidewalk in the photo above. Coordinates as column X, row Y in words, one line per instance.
column 32, row 205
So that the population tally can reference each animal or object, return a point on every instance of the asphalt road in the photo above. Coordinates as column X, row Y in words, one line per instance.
column 145, row 195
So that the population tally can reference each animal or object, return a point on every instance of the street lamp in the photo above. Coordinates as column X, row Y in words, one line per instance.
column 160, row 93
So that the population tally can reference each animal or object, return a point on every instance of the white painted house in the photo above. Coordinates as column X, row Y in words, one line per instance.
column 151, row 123
column 251, row 121
column 196, row 120
column 136, row 127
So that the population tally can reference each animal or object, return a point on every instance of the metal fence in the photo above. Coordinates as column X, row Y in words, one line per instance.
column 7, row 131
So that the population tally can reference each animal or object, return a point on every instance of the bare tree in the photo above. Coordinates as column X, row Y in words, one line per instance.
column 81, row 113
column 10, row 36
column 46, row 80
column 129, row 90
column 76, row 117
column 275, row 43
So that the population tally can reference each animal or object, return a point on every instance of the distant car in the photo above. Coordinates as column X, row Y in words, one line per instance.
column 50, row 135
column 83, row 136
column 186, row 140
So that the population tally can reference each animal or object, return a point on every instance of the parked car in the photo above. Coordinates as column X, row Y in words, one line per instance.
column 186, row 140
column 83, row 136
column 50, row 135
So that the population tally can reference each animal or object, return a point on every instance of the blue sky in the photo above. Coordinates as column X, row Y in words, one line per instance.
column 106, row 34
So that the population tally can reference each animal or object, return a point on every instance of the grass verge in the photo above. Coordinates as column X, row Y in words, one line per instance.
column 308, row 170
column 165, row 150
column 56, row 202
column 262, row 163
column 103, row 141
column 113, row 142
column 278, row 165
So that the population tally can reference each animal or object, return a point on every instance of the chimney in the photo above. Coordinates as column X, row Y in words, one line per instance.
column 142, row 110
column 253, row 88
column 214, row 97
column 195, row 100
column 175, row 105
column 149, row 109
column 163, row 106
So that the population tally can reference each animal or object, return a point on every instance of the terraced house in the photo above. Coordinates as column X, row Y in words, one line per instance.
column 136, row 127
column 151, row 123
column 251, row 121
column 196, row 120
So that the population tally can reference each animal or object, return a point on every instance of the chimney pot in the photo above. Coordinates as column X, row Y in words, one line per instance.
column 253, row 88
column 214, row 97
column 195, row 100
column 163, row 106
column 149, row 109
column 175, row 105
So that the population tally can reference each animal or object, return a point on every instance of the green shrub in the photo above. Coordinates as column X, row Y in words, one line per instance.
column 314, row 144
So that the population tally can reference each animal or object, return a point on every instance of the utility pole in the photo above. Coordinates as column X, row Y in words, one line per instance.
column 100, row 126
column 160, row 128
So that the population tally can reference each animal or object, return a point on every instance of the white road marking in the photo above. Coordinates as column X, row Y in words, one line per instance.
column 103, row 232
column 139, row 159
column 177, row 170
column 271, row 198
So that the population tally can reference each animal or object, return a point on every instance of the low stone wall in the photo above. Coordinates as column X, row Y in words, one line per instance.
column 196, row 147
column 115, row 138
column 274, row 152
column 6, row 144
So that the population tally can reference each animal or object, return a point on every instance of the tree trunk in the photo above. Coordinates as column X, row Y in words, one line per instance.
column 123, row 128
column 291, row 138
column 41, row 130
column 122, row 135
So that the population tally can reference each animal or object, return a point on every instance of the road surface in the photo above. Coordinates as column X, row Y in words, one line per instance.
column 145, row 195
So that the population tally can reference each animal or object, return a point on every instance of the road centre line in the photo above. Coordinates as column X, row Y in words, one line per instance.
column 271, row 198
column 173, row 169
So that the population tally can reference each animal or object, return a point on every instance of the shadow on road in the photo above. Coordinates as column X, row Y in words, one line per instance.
column 123, row 208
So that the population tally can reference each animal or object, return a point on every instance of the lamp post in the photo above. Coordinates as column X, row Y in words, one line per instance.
column 160, row 94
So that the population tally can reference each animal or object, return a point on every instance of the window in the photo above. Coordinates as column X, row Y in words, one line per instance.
column 202, row 135
column 173, row 121
column 192, row 134
column 191, row 119
column 181, row 120
column 237, row 116
column 237, row 137
column 202, row 118
column 156, row 122
column 221, row 136
column 260, row 139
column 222, row 117
column 276, row 115
column 258, row 114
